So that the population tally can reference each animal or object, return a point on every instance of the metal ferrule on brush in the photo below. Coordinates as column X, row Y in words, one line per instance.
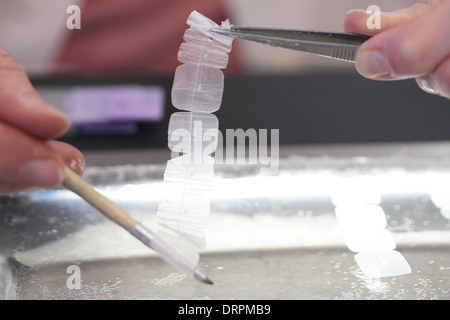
column 143, row 234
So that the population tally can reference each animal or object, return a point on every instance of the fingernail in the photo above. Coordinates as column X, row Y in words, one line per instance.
column 357, row 10
column 76, row 165
column 428, row 84
column 373, row 64
column 42, row 172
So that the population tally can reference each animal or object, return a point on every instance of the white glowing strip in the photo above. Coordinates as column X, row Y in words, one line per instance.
column 364, row 216
column 193, row 132
column 360, row 189
column 284, row 186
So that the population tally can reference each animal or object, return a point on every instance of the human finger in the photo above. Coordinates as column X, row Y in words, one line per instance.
column 27, row 161
column 407, row 51
column 356, row 21
column 21, row 105
column 437, row 82
column 72, row 157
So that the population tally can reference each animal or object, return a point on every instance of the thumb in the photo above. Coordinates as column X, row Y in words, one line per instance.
column 407, row 51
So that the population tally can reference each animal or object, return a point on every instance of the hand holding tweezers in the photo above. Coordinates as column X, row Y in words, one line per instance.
column 341, row 46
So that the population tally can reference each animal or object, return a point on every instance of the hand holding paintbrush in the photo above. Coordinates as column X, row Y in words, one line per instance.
column 168, row 252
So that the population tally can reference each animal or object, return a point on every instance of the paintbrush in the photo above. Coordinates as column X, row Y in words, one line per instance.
column 169, row 253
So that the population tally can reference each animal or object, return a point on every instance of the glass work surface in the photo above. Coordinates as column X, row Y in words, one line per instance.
column 268, row 237
column 281, row 274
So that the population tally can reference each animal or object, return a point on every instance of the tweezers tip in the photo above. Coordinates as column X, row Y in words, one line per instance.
column 223, row 31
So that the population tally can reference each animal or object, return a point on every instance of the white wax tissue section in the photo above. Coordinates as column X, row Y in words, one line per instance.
column 382, row 264
column 191, row 53
column 198, row 38
column 364, row 229
column 203, row 24
column 193, row 132
column 198, row 88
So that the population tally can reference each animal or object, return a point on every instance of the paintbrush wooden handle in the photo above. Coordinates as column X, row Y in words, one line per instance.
column 75, row 183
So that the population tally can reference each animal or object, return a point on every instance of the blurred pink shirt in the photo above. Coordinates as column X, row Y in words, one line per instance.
column 138, row 37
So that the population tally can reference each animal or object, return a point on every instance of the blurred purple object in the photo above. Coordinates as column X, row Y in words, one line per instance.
column 107, row 128
column 108, row 104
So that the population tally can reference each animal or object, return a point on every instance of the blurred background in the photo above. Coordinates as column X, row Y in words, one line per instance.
column 114, row 75
column 143, row 36
column 113, row 78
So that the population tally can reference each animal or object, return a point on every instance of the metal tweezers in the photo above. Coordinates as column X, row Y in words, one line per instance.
column 340, row 46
